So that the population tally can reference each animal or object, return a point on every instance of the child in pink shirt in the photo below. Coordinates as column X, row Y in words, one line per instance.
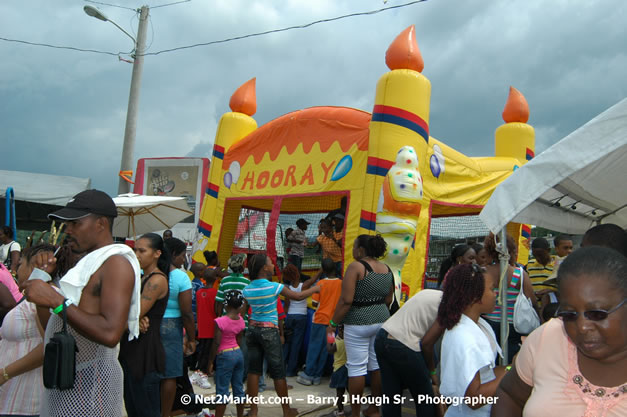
column 230, row 360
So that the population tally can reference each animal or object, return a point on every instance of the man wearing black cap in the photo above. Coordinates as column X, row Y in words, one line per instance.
column 298, row 241
column 101, row 298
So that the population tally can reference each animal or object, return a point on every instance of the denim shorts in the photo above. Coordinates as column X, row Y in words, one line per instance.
column 172, row 339
column 265, row 342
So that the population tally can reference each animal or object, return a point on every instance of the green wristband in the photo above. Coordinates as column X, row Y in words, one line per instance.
column 508, row 367
column 433, row 372
column 332, row 323
column 58, row 309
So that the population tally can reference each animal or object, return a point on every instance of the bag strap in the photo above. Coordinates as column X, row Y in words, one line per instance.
column 64, row 315
column 516, row 274
column 7, row 261
column 522, row 277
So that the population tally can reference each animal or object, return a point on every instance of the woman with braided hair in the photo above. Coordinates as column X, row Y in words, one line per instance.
column 469, row 345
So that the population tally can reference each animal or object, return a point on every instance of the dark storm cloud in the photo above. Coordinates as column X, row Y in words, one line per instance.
column 63, row 112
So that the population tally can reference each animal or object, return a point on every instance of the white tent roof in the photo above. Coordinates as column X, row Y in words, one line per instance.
column 42, row 188
column 571, row 186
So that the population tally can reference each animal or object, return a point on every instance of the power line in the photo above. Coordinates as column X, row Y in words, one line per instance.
column 252, row 35
column 109, row 4
column 170, row 4
column 63, row 47
column 152, row 37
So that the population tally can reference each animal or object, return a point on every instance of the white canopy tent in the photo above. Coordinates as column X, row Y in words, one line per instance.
column 42, row 188
column 571, row 186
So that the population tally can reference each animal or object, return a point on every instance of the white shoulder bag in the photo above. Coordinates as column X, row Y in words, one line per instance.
column 526, row 319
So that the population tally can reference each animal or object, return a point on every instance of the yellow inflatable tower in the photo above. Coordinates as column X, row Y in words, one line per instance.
column 399, row 135
column 233, row 126
column 516, row 139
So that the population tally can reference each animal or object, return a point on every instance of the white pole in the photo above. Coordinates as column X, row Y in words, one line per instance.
column 504, row 262
column 133, row 102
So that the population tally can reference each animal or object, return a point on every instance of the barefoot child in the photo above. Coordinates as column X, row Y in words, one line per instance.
column 230, row 360
column 339, row 378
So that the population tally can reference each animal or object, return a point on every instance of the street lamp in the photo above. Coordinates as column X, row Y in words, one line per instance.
column 133, row 98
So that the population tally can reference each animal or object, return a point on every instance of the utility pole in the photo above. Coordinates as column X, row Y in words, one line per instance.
column 130, row 130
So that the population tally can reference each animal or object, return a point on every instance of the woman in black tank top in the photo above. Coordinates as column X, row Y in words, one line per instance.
column 367, row 291
column 143, row 359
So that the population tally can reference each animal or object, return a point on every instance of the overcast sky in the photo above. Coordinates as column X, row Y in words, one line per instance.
column 63, row 112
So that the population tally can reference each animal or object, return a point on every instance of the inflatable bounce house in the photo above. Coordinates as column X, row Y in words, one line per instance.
column 395, row 177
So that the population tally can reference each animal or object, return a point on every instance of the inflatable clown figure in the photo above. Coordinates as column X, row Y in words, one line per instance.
column 397, row 217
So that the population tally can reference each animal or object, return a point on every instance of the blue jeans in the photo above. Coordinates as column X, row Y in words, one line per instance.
column 244, row 348
column 298, row 323
column 141, row 396
column 230, row 371
column 402, row 368
column 262, row 377
column 317, row 351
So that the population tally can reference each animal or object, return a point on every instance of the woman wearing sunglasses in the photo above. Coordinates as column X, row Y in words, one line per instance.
column 576, row 364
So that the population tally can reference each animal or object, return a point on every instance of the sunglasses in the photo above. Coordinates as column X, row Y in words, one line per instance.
column 593, row 315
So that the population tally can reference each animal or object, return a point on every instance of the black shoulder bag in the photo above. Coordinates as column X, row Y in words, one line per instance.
column 60, row 359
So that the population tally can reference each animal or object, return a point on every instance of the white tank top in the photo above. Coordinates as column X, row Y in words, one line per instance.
column 297, row 307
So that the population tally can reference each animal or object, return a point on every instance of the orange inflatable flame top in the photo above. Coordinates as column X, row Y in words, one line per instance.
column 244, row 99
column 403, row 53
column 516, row 109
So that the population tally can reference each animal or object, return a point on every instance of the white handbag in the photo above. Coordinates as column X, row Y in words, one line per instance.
column 526, row 319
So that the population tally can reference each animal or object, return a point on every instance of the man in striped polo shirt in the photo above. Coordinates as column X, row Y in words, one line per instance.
column 542, row 266
column 235, row 281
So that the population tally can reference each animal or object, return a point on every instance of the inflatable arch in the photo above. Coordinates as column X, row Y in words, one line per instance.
column 394, row 175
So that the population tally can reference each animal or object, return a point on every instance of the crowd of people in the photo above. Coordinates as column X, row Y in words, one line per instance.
column 144, row 327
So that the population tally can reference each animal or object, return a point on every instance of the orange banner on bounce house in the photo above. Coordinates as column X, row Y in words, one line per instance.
column 311, row 150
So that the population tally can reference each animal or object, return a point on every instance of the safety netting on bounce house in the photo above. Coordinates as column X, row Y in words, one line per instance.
column 445, row 233
column 252, row 230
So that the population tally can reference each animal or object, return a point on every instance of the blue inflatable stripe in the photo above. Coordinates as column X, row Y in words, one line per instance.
column 399, row 121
